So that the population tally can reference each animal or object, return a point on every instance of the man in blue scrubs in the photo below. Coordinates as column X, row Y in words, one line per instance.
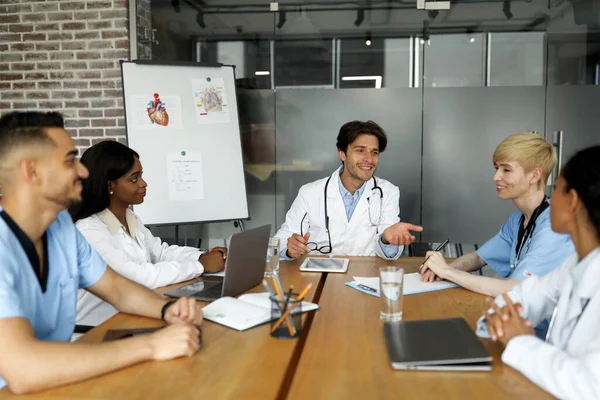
column 526, row 245
column 45, row 260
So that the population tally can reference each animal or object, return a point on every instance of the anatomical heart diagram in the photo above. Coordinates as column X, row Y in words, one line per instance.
column 157, row 111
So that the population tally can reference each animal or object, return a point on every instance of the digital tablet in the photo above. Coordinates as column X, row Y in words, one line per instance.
column 314, row 264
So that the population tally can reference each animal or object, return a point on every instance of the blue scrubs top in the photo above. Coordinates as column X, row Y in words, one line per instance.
column 546, row 251
column 72, row 264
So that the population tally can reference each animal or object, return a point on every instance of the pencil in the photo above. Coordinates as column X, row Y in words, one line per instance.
column 287, row 312
column 287, row 320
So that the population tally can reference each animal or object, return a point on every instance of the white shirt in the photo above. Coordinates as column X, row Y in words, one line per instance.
column 140, row 257
column 359, row 236
column 568, row 365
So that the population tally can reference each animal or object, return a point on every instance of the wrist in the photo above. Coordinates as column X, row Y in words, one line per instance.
column 383, row 239
column 164, row 309
column 146, row 345
column 448, row 273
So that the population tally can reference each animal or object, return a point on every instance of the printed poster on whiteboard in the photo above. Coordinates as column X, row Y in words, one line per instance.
column 210, row 100
column 184, row 172
column 154, row 111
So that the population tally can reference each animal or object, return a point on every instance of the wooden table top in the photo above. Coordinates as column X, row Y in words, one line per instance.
column 346, row 356
column 231, row 364
column 341, row 354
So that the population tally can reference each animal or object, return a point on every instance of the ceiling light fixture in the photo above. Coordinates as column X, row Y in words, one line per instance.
column 282, row 19
column 377, row 78
column 200, row 19
column 360, row 17
column 506, row 9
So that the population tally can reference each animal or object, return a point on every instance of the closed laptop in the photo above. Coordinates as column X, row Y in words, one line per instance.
column 440, row 344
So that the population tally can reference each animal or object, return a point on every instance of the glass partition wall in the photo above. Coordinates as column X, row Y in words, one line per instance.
column 446, row 85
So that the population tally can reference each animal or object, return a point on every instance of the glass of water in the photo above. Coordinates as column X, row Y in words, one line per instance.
column 272, row 258
column 390, row 293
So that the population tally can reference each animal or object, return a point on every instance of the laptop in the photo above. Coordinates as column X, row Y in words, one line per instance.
column 439, row 344
column 244, row 268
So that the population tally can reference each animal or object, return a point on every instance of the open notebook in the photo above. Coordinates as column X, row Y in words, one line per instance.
column 247, row 311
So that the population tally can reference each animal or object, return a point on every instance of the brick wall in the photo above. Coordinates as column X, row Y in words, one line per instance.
column 64, row 55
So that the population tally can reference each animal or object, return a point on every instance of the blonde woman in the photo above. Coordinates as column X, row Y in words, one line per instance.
column 525, row 246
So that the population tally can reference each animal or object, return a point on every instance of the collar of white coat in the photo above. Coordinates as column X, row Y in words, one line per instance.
column 586, row 275
column 113, row 224
column 333, row 189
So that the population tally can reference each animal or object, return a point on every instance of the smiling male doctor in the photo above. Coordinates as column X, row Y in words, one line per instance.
column 352, row 212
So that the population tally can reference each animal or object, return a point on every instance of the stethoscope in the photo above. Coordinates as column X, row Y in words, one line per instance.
column 327, row 249
column 528, row 234
column 374, row 189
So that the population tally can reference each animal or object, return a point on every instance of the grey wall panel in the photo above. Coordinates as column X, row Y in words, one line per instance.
column 574, row 110
column 257, row 123
column 461, row 129
column 308, row 122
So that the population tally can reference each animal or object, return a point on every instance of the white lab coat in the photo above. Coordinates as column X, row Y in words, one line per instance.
column 143, row 258
column 356, row 237
column 567, row 367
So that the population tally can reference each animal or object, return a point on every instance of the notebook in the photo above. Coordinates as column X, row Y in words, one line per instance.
column 439, row 344
column 247, row 311
column 412, row 285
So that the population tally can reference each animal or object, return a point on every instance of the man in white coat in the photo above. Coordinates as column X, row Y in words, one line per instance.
column 567, row 363
column 352, row 212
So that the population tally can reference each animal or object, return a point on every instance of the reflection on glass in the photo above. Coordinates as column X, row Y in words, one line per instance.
column 516, row 59
column 454, row 60
column 304, row 63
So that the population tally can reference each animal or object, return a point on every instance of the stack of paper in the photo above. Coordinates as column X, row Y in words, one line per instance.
column 412, row 285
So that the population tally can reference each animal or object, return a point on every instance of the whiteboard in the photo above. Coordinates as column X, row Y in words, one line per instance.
column 182, row 120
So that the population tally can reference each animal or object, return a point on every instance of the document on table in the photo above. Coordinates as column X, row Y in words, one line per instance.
column 412, row 285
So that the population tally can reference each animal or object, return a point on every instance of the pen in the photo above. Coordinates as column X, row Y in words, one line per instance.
column 367, row 288
column 439, row 248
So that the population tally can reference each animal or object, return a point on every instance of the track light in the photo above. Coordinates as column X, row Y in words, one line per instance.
column 368, row 40
column 282, row 19
column 200, row 19
column 175, row 4
column 506, row 9
column 360, row 17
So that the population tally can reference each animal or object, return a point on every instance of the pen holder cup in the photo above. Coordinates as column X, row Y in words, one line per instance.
column 291, row 326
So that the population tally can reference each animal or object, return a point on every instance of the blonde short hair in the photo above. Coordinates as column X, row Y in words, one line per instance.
column 530, row 150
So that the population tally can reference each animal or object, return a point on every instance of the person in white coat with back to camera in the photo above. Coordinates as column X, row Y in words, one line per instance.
column 352, row 212
column 567, row 363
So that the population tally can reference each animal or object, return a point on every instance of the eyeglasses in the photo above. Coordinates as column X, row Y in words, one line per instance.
column 313, row 246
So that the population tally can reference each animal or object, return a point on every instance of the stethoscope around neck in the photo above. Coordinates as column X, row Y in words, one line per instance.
column 375, row 188
column 528, row 234
column 328, row 248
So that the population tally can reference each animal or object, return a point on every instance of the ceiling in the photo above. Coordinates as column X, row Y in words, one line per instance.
column 246, row 19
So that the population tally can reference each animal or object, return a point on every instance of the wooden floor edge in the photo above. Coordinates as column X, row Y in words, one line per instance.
column 290, row 371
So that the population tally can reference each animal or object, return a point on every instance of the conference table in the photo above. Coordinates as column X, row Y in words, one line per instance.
column 341, row 353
